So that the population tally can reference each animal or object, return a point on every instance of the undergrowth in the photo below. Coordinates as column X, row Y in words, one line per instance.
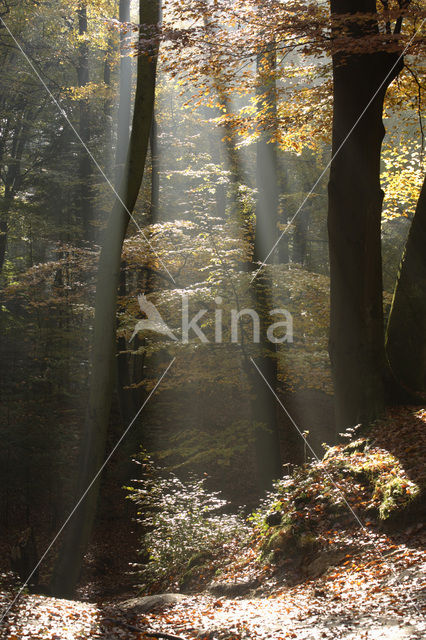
column 189, row 534
column 187, row 530
column 360, row 483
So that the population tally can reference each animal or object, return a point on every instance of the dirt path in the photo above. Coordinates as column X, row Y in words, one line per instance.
column 365, row 596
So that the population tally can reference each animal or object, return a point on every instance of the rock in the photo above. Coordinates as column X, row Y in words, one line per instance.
column 214, row 634
column 324, row 561
column 273, row 519
column 148, row 603
column 232, row 589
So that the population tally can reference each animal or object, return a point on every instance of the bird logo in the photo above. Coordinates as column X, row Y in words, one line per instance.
column 153, row 321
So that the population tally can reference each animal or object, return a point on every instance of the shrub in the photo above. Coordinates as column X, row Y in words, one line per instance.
column 181, row 520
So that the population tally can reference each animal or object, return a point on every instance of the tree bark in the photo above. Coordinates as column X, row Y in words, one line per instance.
column 356, row 343
column 264, row 407
column 406, row 330
column 126, row 404
column 85, row 196
column 78, row 533
column 124, row 107
column 266, row 161
column 263, row 403
column 13, row 178
column 155, row 173
column 5, row 206
column 300, row 236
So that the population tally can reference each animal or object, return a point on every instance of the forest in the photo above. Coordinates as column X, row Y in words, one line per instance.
column 212, row 319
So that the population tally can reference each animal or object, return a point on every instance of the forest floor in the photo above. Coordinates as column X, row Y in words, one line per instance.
column 364, row 580
column 376, row 592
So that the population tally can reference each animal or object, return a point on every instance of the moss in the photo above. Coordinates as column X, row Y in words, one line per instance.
column 370, row 474
column 396, row 495
column 358, row 446
column 363, row 474
column 280, row 539
column 288, row 543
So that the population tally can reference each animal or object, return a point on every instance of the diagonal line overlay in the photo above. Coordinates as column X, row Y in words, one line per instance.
column 354, row 514
column 84, row 145
column 338, row 150
column 98, row 473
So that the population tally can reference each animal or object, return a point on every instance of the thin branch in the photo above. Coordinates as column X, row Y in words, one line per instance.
column 386, row 8
column 403, row 4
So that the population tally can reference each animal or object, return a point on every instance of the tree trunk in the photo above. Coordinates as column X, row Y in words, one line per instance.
column 78, row 533
column 300, row 236
column 5, row 205
column 85, row 196
column 108, row 108
column 126, row 404
column 356, row 343
column 283, row 188
column 406, row 331
column 124, row 107
column 13, row 178
column 266, row 160
column 264, row 406
column 155, row 173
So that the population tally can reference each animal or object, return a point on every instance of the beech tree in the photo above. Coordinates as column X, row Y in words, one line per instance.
column 104, row 348
column 257, row 77
column 362, row 73
column 406, row 330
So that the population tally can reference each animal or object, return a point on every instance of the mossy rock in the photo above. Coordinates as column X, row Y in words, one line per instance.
column 199, row 568
column 399, row 497
column 306, row 543
column 411, row 513
column 364, row 475
column 287, row 544
column 281, row 540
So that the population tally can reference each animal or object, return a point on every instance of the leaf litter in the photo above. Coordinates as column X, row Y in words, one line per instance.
column 371, row 584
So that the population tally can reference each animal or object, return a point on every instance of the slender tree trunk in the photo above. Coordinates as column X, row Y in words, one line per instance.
column 300, row 236
column 13, row 178
column 355, row 201
column 266, row 160
column 5, row 206
column 283, row 179
column 155, row 173
column 102, row 377
column 108, row 107
column 264, row 406
column 124, row 111
column 85, row 196
column 406, row 331
column 263, row 403
column 124, row 107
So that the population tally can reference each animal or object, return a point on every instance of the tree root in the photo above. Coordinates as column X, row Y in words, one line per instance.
column 147, row 632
